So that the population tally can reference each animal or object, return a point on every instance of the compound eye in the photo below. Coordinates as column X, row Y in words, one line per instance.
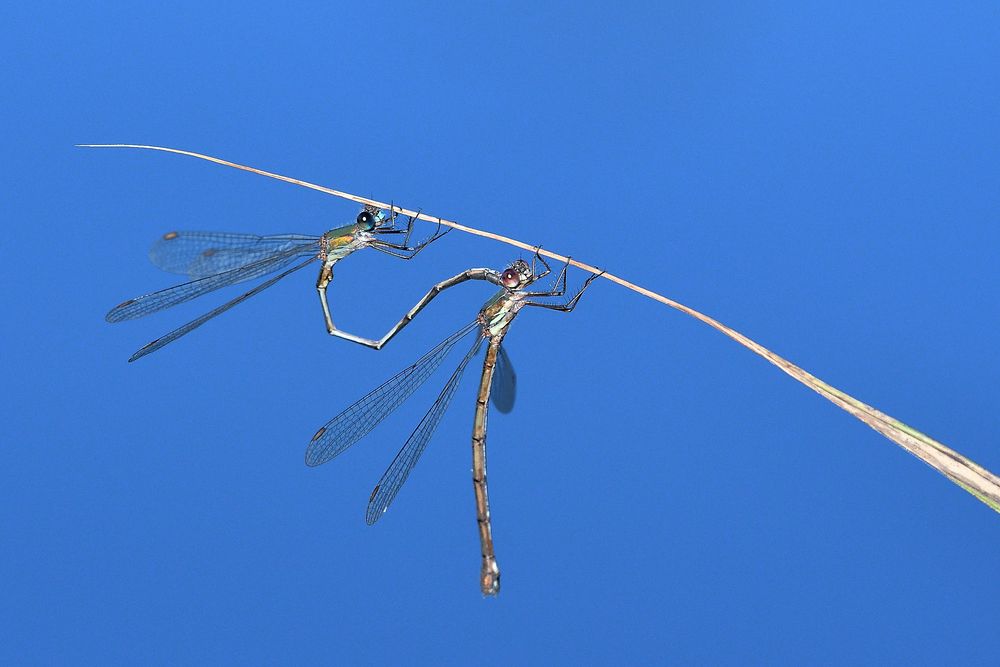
column 510, row 279
column 366, row 220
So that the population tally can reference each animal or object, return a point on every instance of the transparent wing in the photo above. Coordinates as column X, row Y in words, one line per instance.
column 195, row 323
column 387, row 488
column 171, row 296
column 504, row 388
column 200, row 254
column 360, row 418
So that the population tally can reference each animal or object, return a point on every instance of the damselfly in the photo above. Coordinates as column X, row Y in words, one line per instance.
column 214, row 260
column 498, row 383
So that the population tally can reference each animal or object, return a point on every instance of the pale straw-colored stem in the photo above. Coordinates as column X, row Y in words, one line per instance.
column 975, row 479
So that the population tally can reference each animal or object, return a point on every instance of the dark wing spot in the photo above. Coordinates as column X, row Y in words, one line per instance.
column 374, row 492
column 124, row 303
column 209, row 252
column 319, row 434
column 170, row 236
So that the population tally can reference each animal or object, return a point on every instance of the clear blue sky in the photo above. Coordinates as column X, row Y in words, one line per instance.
column 824, row 179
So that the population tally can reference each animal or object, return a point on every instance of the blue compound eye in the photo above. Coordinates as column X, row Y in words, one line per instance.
column 366, row 221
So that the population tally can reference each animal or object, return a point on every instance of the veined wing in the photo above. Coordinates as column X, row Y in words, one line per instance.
column 200, row 254
column 171, row 296
column 504, row 388
column 197, row 322
column 387, row 488
column 360, row 418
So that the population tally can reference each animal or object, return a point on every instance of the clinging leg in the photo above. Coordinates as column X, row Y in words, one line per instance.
column 571, row 304
column 554, row 290
column 404, row 250
column 538, row 258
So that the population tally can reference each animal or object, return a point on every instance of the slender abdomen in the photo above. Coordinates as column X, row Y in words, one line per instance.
column 489, row 576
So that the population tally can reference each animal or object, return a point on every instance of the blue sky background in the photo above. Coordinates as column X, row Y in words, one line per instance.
column 822, row 178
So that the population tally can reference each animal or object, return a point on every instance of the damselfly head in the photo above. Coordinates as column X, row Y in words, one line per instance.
column 368, row 219
column 516, row 275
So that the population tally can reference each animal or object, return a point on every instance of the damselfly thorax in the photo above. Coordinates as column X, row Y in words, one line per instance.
column 498, row 313
column 340, row 242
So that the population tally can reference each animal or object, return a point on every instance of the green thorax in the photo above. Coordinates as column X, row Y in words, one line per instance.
column 340, row 242
column 497, row 313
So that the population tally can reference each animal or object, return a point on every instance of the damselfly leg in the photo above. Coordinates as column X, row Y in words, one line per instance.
column 536, row 259
column 558, row 287
column 404, row 250
column 569, row 305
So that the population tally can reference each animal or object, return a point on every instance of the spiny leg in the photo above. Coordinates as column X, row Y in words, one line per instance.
column 392, row 224
column 405, row 247
column 571, row 304
column 390, row 249
column 409, row 228
column 392, row 215
column 561, row 277
column 538, row 258
column 554, row 291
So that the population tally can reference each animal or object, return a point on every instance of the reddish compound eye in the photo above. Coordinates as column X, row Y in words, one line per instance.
column 510, row 279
